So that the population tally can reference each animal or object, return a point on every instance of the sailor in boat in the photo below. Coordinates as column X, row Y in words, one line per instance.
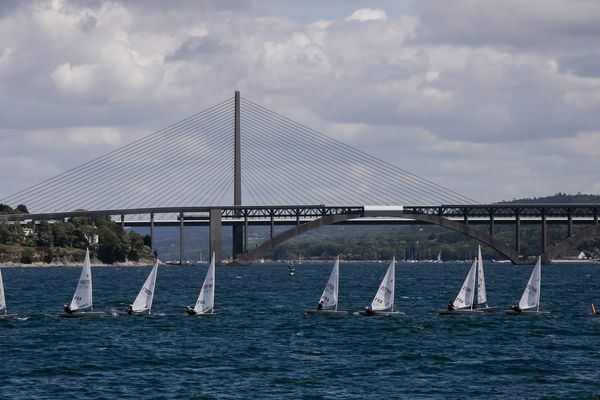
column 516, row 309
column 451, row 305
column 190, row 310
column 369, row 311
column 67, row 309
column 130, row 309
column 320, row 305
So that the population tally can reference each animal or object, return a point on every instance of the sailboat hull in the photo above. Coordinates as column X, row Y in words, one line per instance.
column 211, row 314
column 469, row 311
column 8, row 316
column 380, row 313
column 325, row 312
column 124, row 313
column 83, row 314
column 527, row 312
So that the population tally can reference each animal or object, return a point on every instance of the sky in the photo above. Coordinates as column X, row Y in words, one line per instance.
column 494, row 99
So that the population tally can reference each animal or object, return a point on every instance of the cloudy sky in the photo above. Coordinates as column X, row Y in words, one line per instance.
column 495, row 99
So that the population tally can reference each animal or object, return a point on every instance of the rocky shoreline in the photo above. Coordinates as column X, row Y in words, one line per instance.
column 141, row 263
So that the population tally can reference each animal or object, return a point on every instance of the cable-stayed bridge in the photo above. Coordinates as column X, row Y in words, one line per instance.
column 239, row 164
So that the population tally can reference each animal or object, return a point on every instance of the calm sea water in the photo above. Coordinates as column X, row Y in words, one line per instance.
column 261, row 345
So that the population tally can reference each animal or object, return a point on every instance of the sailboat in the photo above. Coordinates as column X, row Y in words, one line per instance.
column 530, row 300
column 291, row 269
column 3, row 313
column 465, row 301
column 82, row 298
column 383, row 302
column 439, row 258
column 205, row 305
column 328, row 303
column 143, row 302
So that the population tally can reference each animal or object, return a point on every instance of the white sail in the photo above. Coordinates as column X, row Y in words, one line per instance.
column 2, row 299
column 481, row 293
column 329, row 298
column 206, row 300
column 83, row 294
column 439, row 257
column 531, row 295
column 143, row 301
column 384, row 298
column 467, row 291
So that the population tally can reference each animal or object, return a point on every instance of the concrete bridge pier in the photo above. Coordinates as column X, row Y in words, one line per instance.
column 214, row 234
column 152, row 231
column 518, row 230
column 544, row 231
column 181, row 242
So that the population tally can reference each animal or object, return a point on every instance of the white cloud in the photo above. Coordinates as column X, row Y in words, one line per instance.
column 78, row 138
column 368, row 14
column 77, row 79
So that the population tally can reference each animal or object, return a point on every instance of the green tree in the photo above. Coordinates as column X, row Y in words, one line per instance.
column 113, row 246
column 60, row 235
column 44, row 236
column 136, row 246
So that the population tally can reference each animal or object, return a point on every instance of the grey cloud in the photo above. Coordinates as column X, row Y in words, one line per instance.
column 585, row 65
column 8, row 7
column 197, row 46
column 510, row 23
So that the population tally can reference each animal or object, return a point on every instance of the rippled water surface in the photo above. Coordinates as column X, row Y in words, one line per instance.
column 261, row 345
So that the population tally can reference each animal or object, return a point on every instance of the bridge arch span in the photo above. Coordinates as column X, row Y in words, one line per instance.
column 267, row 245
column 477, row 234
column 560, row 248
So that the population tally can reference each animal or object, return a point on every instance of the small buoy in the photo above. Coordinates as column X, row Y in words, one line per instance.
column 593, row 309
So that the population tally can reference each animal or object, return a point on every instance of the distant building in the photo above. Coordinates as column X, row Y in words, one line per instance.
column 576, row 255
column 92, row 239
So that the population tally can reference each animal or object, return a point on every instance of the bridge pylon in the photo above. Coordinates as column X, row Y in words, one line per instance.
column 238, row 230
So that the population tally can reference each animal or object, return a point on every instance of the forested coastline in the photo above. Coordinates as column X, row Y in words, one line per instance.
column 64, row 242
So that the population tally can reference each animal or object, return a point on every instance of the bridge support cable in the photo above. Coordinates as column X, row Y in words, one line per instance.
column 186, row 175
column 289, row 124
column 193, row 181
column 277, row 177
column 179, row 157
column 131, row 172
column 326, row 148
column 127, row 152
column 122, row 150
column 341, row 176
column 335, row 181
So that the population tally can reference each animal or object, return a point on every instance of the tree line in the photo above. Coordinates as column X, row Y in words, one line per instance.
column 112, row 245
